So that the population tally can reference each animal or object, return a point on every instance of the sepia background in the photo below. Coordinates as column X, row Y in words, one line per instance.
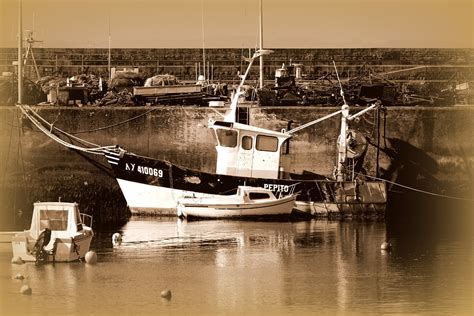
column 234, row 23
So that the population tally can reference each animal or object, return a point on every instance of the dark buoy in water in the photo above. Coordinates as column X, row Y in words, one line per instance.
column 91, row 257
column 386, row 245
column 116, row 239
column 166, row 294
column 26, row 290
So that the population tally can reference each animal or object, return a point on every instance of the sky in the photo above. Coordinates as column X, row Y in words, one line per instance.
column 234, row 23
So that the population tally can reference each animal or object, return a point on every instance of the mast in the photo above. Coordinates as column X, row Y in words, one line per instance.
column 108, row 56
column 261, row 44
column 342, row 140
column 230, row 115
column 203, row 49
column 20, row 52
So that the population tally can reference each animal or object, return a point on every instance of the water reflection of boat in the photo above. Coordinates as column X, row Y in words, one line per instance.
column 257, row 157
column 57, row 233
column 247, row 202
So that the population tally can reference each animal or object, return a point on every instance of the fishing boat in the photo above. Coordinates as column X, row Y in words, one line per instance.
column 246, row 155
column 247, row 202
column 58, row 233
column 253, row 156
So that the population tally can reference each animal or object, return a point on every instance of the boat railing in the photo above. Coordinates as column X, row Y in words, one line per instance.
column 290, row 191
column 86, row 219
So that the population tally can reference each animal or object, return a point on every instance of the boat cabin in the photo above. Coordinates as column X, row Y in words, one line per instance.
column 248, row 151
column 63, row 219
column 251, row 194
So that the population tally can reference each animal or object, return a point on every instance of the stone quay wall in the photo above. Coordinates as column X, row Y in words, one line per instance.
column 428, row 148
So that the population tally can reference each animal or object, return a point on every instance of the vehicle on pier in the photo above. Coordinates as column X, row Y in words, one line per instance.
column 165, row 89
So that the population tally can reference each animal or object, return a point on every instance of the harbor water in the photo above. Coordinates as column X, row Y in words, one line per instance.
column 257, row 267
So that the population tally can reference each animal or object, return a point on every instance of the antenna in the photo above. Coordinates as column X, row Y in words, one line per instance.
column 108, row 55
column 340, row 84
column 20, row 52
column 203, row 49
column 29, row 50
column 261, row 44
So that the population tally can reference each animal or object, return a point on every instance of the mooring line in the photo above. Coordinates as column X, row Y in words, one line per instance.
column 417, row 190
column 116, row 124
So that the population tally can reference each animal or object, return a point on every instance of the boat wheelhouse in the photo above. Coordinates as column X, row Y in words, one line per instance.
column 248, row 151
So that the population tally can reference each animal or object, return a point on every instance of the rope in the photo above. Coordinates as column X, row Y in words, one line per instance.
column 114, row 125
column 417, row 190
column 96, row 150
column 60, row 130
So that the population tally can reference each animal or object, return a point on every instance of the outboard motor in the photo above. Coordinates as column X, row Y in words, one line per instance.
column 42, row 241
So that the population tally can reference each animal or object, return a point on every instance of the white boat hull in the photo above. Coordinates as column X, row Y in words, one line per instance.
column 278, row 207
column 145, row 199
column 67, row 249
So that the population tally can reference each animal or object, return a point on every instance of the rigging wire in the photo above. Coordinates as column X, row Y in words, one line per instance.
column 113, row 125
column 51, row 125
column 97, row 150
column 417, row 190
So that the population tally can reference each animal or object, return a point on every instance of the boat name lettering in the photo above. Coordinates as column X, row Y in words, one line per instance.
column 277, row 187
column 150, row 171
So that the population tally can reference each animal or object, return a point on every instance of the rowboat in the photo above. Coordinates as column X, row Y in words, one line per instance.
column 247, row 202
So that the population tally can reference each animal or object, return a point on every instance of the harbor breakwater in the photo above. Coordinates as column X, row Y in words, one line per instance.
column 423, row 147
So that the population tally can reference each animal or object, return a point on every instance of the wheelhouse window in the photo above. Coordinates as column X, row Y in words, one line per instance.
column 247, row 142
column 54, row 220
column 267, row 143
column 227, row 138
column 258, row 195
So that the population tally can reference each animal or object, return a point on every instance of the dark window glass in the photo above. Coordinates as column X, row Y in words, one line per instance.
column 227, row 138
column 247, row 142
column 54, row 220
column 258, row 195
column 267, row 143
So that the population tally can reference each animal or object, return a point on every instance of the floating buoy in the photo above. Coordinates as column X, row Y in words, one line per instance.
column 17, row 260
column 166, row 294
column 91, row 257
column 19, row 276
column 25, row 289
column 386, row 246
column 116, row 239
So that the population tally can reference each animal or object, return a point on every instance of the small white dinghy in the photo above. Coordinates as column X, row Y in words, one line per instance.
column 57, row 233
column 248, row 202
